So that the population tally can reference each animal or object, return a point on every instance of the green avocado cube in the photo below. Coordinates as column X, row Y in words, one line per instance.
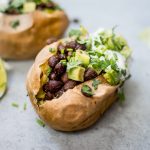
column 83, row 57
column 76, row 73
column 29, row 7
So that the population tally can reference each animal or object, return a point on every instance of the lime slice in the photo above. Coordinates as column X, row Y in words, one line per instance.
column 3, row 79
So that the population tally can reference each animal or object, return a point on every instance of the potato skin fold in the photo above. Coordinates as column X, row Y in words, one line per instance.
column 26, row 42
column 72, row 111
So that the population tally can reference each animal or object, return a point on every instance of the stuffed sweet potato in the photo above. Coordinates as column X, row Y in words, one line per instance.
column 74, row 80
column 26, row 26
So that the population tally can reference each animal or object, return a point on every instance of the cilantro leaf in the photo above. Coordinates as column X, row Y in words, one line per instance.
column 40, row 122
column 15, row 104
column 17, row 3
column 95, row 83
column 72, row 64
column 112, row 77
column 86, row 91
column 14, row 24
column 78, row 33
column 75, row 33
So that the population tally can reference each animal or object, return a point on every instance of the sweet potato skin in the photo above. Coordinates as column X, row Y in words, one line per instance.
column 30, row 37
column 72, row 111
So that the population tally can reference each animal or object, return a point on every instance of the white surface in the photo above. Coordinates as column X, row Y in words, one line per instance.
column 123, row 127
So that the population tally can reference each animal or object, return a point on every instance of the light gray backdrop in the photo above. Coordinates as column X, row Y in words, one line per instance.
column 123, row 127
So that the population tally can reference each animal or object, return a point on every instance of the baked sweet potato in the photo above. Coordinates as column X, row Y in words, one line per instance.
column 72, row 103
column 24, row 34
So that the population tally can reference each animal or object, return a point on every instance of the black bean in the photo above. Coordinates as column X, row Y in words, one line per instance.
column 59, row 93
column 59, row 69
column 64, row 78
column 90, row 74
column 53, row 76
column 61, row 47
column 12, row 11
column 50, row 5
column 48, row 96
column 71, row 44
column 53, row 61
column 54, row 85
column 41, row 6
column 70, row 85
column 62, row 56
column 46, row 87
column 80, row 46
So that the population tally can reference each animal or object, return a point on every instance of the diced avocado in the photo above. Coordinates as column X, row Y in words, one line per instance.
column 77, row 74
column 46, row 70
column 83, row 57
column 112, row 77
column 29, row 7
column 44, row 79
column 48, row 10
column 41, row 94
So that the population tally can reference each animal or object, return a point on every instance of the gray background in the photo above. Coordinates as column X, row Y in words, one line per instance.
column 123, row 127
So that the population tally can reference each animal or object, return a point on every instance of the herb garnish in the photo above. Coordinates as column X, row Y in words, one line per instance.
column 40, row 122
column 72, row 64
column 25, row 106
column 69, row 49
column 17, row 3
column 52, row 50
column 62, row 51
column 121, row 95
column 15, row 104
column 14, row 24
column 64, row 62
column 95, row 83
column 75, row 33
column 86, row 90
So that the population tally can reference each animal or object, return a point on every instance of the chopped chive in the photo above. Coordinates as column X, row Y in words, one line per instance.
column 62, row 51
column 25, row 106
column 40, row 122
column 69, row 49
column 52, row 50
column 68, row 58
column 14, row 24
column 63, row 62
column 15, row 104
column 95, row 83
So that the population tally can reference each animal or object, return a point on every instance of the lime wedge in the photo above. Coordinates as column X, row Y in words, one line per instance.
column 3, row 79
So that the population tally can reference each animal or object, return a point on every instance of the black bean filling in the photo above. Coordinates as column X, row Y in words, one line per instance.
column 49, row 5
column 58, row 79
column 41, row 6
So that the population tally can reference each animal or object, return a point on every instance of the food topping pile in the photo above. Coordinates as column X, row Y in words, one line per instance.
column 83, row 57
column 15, row 7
